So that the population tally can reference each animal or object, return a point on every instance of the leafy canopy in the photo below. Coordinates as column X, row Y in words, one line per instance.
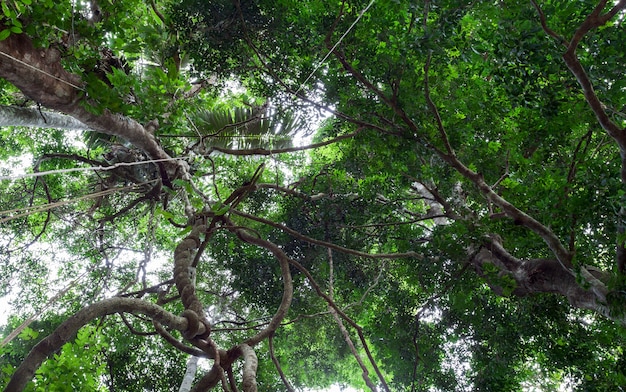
column 385, row 195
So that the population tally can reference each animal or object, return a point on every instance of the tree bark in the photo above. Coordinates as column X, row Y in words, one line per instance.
column 38, row 73
column 535, row 276
column 190, row 374
column 13, row 116
column 250, row 365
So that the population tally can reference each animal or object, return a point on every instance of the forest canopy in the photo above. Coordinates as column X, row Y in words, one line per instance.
column 293, row 195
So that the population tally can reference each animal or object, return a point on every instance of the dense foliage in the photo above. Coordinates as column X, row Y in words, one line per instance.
column 392, row 195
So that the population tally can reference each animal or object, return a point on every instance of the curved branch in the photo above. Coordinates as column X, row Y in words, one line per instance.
column 178, row 344
column 66, row 331
column 284, row 262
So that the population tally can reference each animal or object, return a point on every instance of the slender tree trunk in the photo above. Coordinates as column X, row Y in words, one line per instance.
column 190, row 374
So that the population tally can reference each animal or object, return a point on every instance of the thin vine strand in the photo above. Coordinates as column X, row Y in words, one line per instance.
column 41, row 71
column 44, row 207
column 334, row 47
column 92, row 168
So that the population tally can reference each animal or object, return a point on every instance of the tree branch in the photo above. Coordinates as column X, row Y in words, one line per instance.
column 250, row 365
column 66, row 331
column 38, row 73
column 541, row 276
column 353, row 350
column 433, row 108
column 594, row 20
column 544, row 25
column 283, row 261
column 279, row 369
column 34, row 118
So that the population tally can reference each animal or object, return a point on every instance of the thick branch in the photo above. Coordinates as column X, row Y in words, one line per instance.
column 250, row 365
column 66, row 331
column 34, row 118
column 39, row 75
column 535, row 276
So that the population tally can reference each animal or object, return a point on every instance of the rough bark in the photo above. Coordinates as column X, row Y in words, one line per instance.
column 250, row 365
column 534, row 276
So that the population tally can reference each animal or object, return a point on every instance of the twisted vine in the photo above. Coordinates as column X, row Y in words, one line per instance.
column 198, row 325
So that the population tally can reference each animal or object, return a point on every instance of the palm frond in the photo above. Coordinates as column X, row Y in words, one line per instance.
column 246, row 128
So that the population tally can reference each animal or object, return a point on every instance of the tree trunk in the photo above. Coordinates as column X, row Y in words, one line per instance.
column 38, row 73
column 190, row 374
column 13, row 116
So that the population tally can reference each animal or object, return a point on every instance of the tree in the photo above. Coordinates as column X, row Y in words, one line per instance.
column 456, row 222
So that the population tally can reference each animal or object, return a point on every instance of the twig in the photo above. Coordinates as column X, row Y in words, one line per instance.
column 442, row 131
column 279, row 369
column 544, row 25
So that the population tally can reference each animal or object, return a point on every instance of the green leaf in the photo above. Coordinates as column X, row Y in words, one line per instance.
column 28, row 334
column 185, row 231
column 7, row 11
column 220, row 209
